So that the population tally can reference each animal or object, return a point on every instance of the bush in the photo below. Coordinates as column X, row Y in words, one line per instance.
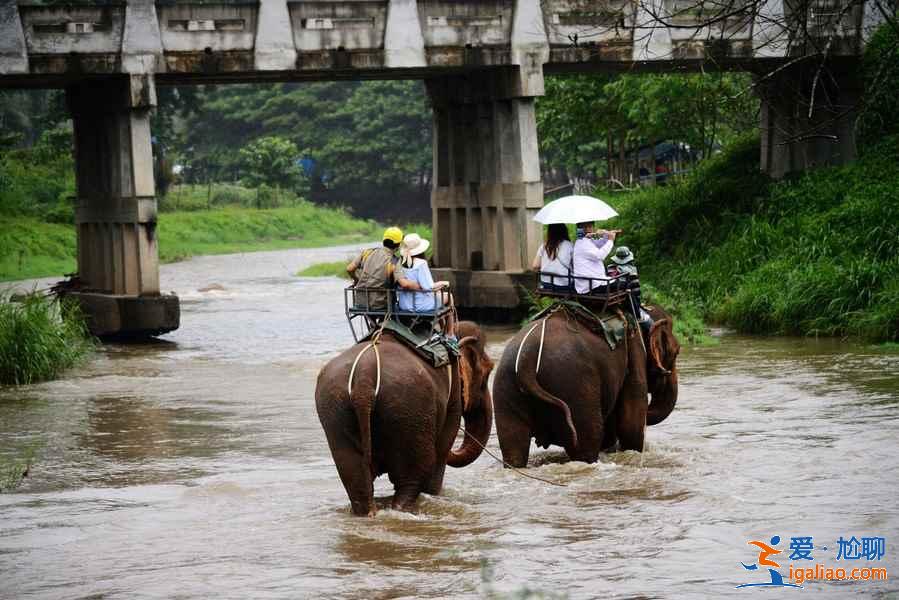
column 39, row 338
column 812, row 255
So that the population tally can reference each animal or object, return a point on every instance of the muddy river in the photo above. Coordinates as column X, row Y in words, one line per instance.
column 195, row 467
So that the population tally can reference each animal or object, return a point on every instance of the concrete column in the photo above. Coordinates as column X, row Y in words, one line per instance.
column 118, row 267
column 487, row 185
column 13, row 52
column 794, row 140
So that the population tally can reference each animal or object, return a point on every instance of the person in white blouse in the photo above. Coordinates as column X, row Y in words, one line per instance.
column 590, row 250
column 554, row 257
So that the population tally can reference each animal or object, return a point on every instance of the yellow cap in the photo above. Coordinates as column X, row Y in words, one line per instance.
column 394, row 234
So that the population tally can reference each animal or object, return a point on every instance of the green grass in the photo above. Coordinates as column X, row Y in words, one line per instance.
column 14, row 471
column 39, row 338
column 31, row 248
column 328, row 269
column 816, row 254
column 183, row 234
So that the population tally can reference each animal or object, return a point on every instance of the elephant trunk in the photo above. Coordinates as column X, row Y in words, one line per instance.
column 478, row 424
column 664, row 397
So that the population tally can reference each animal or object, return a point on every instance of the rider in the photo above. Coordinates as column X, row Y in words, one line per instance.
column 625, row 266
column 374, row 268
column 414, row 277
column 590, row 250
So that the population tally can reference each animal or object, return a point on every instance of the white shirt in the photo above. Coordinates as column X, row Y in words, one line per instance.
column 588, row 262
column 560, row 265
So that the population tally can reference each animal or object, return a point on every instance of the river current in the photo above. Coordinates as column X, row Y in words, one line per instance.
column 195, row 467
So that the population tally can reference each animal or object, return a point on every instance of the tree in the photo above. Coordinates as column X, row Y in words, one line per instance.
column 272, row 161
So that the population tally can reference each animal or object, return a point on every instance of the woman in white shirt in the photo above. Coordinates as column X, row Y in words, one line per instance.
column 554, row 256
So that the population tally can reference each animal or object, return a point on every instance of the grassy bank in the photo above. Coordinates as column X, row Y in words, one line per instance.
column 817, row 254
column 32, row 248
column 39, row 338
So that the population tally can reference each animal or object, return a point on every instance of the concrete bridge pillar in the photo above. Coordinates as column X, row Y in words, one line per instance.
column 486, row 186
column 118, row 266
column 794, row 140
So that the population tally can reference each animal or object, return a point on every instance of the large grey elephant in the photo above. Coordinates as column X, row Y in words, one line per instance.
column 402, row 416
column 586, row 396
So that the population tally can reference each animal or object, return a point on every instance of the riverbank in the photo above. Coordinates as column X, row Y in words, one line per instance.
column 816, row 254
column 31, row 248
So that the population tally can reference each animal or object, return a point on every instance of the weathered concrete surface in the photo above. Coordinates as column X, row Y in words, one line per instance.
column 491, row 296
column 116, row 207
column 13, row 51
column 801, row 131
column 487, row 183
column 285, row 39
column 113, row 315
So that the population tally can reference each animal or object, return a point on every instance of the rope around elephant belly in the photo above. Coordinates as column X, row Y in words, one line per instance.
column 508, row 466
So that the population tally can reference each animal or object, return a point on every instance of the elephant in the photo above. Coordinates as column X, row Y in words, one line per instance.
column 400, row 416
column 586, row 397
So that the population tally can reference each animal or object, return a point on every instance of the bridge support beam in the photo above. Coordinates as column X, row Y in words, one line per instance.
column 486, row 186
column 118, row 267
column 794, row 141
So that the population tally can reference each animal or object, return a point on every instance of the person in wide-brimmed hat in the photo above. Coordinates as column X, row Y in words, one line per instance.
column 414, row 276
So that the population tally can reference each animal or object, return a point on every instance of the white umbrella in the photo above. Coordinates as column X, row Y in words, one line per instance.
column 575, row 209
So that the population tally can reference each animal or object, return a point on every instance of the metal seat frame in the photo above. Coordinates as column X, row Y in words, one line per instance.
column 616, row 290
column 363, row 320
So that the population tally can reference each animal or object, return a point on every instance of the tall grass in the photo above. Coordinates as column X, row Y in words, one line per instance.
column 39, row 338
column 817, row 254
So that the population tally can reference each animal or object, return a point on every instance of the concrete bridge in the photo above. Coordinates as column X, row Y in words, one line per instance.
column 483, row 62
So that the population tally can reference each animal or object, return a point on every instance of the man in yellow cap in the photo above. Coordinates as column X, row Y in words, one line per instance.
column 374, row 268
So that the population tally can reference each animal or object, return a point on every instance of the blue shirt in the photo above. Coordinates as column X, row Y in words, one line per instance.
column 420, row 274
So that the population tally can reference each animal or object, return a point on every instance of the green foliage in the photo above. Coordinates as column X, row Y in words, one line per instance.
column 39, row 338
column 31, row 248
column 271, row 162
column 39, row 181
column 578, row 115
column 328, row 269
column 360, row 134
column 183, row 234
column 814, row 255
column 880, row 68
column 13, row 472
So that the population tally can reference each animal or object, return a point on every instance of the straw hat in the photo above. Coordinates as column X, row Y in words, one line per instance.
column 413, row 245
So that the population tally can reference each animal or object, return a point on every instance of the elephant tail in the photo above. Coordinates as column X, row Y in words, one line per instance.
column 527, row 381
column 362, row 399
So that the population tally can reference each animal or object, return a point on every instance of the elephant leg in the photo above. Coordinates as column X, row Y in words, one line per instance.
column 513, row 427
column 410, row 478
column 444, row 445
column 357, row 480
column 630, row 419
column 610, row 434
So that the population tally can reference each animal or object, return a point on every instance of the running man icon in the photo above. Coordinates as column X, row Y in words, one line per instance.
column 765, row 551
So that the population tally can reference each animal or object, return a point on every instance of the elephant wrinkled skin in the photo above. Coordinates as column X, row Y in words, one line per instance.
column 408, row 430
column 586, row 396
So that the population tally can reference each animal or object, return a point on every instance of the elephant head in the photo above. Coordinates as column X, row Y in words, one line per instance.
column 663, row 349
column 477, row 405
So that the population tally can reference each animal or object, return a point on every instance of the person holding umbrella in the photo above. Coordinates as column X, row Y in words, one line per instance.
column 592, row 247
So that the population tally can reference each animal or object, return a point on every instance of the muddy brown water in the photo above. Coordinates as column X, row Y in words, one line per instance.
column 195, row 467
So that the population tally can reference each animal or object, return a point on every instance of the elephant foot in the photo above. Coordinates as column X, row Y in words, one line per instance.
column 364, row 509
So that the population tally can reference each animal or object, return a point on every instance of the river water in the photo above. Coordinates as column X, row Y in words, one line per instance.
column 195, row 467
